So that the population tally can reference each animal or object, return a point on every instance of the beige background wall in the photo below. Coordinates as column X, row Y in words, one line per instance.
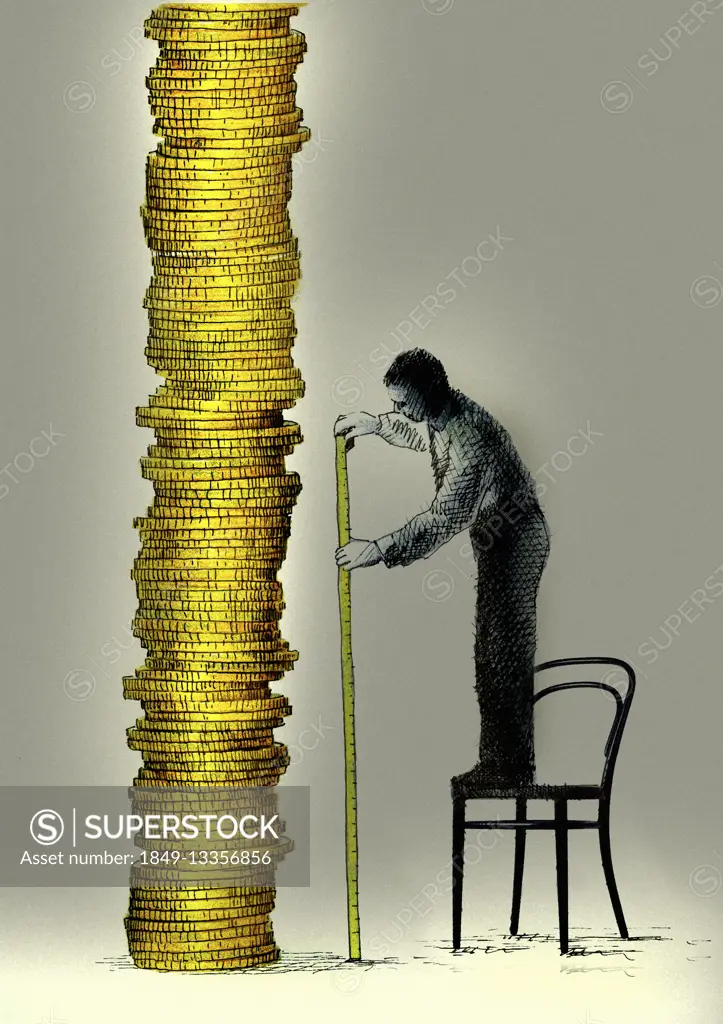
column 435, row 126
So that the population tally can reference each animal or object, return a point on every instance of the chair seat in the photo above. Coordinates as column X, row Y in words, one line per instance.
column 528, row 791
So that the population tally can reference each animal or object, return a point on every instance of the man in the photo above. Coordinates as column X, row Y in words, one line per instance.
column 481, row 485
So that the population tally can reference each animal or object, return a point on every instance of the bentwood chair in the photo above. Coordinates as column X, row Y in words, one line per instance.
column 560, row 824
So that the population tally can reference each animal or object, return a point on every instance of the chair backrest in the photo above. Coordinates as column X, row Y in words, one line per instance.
column 622, row 704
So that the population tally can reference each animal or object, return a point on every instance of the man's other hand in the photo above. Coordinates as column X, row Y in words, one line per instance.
column 358, row 554
column 356, row 424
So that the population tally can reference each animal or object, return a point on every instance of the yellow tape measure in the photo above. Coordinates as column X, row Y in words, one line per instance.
column 347, row 689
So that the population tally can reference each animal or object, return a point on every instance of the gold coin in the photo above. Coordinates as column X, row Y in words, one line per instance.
column 197, row 692
column 251, row 88
column 251, row 503
column 163, row 938
column 225, row 12
column 170, row 245
column 195, row 308
column 154, row 527
column 186, row 943
column 269, row 335
column 200, row 657
column 199, row 150
column 176, row 66
column 179, row 962
column 147, row 748
column 251, row 629
column 263, row 333
column 291, row 38
column 276, row 320
column 240, row 166
column 207, row 682
column 170, row 34
column 249, row 103
column 224, row 135
column 226, row 285
column 219, row 202
column 216, row 114
column 261, row 591
column 161, row 727
column 228, row 275
column 186, row 232
column 174, row 907
column 232, row 345
column 273, row 212
column 241, row 17
column 231, row 185
column 209, row 536
column 250, row 919
column 263, row 485
column 216, row 205
column 276, row 752
column 207, row 371
column 210, row 677
column 182, row 506
column 256, row 924
column 260, row 257
column 221, row 47
column 211, row 947
column 256, row 612
column 203, row 173
column 230, row 611
column 236, row 93
column 229, row 462
column 211, row 379
column 218, row 126
column 210, row 359
column 186, row 294
column 164, row 914
column 145, row 692
column 196, row 895
column 215, row 645
column 224, row 477
column 286, row 430
column 233, row 118
column 251, row 573
column 151, row 930
column 222, row 682
column 202, row 919
column 220, row 760
column 211, row 778
column 179, row 526
column 160, row 730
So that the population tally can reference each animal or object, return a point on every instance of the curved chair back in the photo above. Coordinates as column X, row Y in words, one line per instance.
column 622, row 705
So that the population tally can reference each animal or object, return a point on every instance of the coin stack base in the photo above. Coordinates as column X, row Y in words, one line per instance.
column 221, row 333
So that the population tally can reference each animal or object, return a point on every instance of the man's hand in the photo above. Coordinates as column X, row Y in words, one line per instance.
column 356, row 424
column 358, row 554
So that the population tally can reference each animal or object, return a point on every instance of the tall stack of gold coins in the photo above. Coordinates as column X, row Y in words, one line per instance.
column 226, row 265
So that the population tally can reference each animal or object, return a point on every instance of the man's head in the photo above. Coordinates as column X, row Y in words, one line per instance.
column 418, row 385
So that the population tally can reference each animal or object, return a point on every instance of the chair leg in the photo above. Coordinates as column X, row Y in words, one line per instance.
column 607, row 863
column 561, row 836
column 458, row 830
column 520, row 841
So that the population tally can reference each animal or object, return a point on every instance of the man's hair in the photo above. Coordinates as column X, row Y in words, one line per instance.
column 422, row 371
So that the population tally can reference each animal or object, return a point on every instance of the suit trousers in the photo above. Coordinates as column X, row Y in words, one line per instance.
column 510, row 561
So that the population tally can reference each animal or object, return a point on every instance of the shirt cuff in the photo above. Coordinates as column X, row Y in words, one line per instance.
column 387, row 548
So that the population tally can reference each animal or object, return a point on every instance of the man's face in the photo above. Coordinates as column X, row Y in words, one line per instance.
column 407, row 401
